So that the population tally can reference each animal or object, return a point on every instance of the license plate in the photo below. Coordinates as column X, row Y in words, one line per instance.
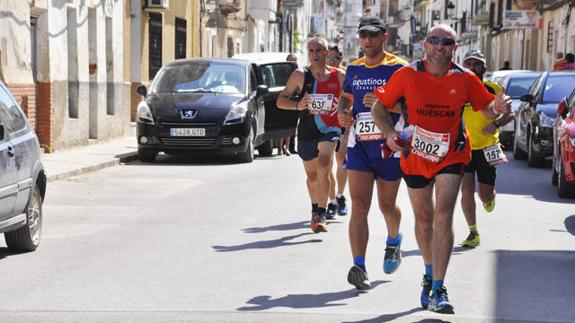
column 188, row 132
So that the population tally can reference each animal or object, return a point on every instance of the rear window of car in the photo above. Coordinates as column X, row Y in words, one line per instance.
column 274, row 75
column 520, row 85
column 558, row 87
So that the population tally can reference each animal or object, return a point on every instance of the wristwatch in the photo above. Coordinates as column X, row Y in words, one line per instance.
column 496, row 123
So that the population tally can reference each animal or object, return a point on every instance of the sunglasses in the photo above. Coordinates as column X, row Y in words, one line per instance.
column 371, row 34
column 446, row 41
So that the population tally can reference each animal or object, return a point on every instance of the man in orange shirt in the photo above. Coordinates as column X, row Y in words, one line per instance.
column 559, row 62
column 435, row 146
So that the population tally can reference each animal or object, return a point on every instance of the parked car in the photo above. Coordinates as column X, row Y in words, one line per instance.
column 22, row 177
column 497, row 76
column 516, row 85
column 534, row 120
column 202, row 105
column 563, row 170
column 273, row 71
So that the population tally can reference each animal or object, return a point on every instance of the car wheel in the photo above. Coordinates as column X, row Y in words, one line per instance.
column 248, row 155
column 147, row 156
column 554, row 175
column 564, row 189
column 266, row 148
column 532, row 159
column 27, row 238
column 518, row 154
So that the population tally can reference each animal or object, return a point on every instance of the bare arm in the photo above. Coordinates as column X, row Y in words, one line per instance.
column 383, row 122
column 293, row 85
column 345, row 110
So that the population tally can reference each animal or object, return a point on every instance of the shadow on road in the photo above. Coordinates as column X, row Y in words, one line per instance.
column 197, row 159
column 391, row 317
column 516, row 178
column 268, row 244
column 535, row 285
column 266, row 302
column 5, row 252
column 279, row 227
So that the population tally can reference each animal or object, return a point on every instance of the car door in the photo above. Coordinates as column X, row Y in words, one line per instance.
column 8, row 172
column 258, row 104
column 525, row 113
column 275, row 77
column 24, row 143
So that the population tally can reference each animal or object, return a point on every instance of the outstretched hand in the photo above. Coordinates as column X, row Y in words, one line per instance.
column 502, row 103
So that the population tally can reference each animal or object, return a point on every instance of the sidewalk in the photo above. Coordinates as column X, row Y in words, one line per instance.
column 80, row 160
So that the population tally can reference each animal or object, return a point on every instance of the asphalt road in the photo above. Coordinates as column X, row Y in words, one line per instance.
column 209, row 240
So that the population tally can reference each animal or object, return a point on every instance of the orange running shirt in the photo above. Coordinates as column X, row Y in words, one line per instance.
column 435, row 106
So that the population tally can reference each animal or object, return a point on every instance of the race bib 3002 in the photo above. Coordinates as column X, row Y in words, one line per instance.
column 430, row 145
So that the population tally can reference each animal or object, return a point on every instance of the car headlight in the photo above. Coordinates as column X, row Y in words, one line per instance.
column 236, row 114
column 545, row 121
column 144, row 114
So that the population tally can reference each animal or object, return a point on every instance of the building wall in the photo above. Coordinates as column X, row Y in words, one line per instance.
column 16, row 55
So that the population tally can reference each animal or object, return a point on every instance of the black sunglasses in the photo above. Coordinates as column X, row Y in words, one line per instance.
column 372, row 34
column 446, row 41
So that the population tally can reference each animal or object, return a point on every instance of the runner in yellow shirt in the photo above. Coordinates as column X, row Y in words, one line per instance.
column 486, row 152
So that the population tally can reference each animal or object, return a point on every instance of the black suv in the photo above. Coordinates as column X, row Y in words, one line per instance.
column 209, row 105
column 22, row 177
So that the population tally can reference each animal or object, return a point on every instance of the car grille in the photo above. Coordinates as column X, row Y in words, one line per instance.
column 188, row 124
column 188, row 142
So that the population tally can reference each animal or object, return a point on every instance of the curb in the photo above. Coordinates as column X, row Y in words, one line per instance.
column 117, row 160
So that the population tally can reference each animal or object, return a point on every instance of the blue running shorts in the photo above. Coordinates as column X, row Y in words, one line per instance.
column 366, row 157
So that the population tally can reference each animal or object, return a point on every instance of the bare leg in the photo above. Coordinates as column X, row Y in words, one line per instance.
column 312, row 179
column 446, row 190
column 486, row 192
column 326, row 150
column 468, row 198
column 361, row 191
column 422, row 204
column 387, row 194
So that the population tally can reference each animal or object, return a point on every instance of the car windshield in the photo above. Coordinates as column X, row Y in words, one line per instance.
column 518, row 86
column 201, row 77
column 557, row 87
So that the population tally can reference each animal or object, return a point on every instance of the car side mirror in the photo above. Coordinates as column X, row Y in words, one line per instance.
column 1, row 131
column 526, row 98
column 262, row 89
column 142, row 90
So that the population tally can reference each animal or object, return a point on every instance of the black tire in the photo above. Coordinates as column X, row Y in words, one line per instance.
column 532, row 159
column 147, row 156
column 27, row 238
column 554, row 175
column 564, row 189
column 248, row 155
column 266, row 149
column 518, row 154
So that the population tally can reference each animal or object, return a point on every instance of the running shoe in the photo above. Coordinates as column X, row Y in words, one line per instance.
column 424, row 298
column 318, row 223
column 472, row 240
column 358, row 278
column 489, row 206
column 392, row 258
column 341, row 205
column 439, row 303
column 331, row 211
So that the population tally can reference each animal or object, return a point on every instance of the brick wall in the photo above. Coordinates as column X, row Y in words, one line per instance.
column 25, row 95
column 45, row 118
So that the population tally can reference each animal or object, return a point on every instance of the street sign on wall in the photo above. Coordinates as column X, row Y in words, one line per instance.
column 521, row 19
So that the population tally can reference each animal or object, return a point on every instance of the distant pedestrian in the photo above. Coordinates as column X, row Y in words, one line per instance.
column 506, row 66
column 569, row 62
column 559, row 62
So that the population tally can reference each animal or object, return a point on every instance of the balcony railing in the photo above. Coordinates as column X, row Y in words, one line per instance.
column 292, row 4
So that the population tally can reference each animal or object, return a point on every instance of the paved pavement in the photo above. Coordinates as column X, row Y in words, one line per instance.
column 80, row 160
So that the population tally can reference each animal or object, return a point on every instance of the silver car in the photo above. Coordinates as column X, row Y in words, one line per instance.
column 22, row 177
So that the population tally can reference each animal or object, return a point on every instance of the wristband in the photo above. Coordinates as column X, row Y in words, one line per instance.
column 496, row 124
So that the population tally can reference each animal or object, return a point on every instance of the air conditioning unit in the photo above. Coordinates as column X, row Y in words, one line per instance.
column 156, row 4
